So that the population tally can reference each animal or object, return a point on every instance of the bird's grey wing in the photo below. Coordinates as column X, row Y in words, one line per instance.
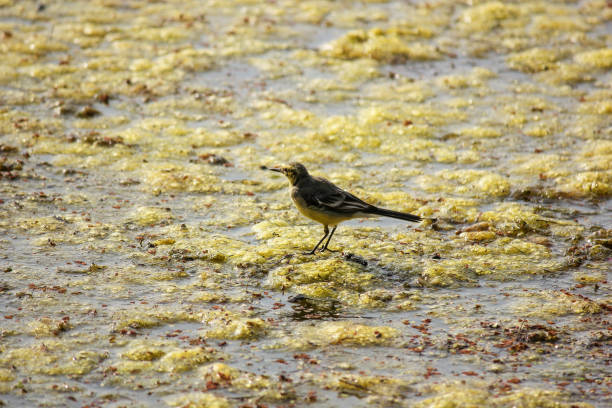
column 328, row 196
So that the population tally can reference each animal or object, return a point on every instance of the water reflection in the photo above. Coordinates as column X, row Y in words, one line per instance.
column 306, row 308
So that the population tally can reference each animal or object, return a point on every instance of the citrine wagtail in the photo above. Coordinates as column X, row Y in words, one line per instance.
column 324, row 202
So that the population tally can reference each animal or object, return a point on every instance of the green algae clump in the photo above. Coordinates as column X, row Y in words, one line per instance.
column 151, row 215
column 597, row 58
column 486, row 16
column 143, row 353
column 235, row 328
column 341, row 333
column 382, row 45
column 474, row 394
column 547, row 304
column 533, row 60
column 242, row 380
column 6, row 375
column 322, row 278
column 185, row 359
column 197, row 400
column 380, row 385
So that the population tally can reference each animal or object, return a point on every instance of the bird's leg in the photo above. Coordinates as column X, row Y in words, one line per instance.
column 329, row 239
column 326, row 230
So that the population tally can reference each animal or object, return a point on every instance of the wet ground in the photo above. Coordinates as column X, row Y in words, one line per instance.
column 147, row 260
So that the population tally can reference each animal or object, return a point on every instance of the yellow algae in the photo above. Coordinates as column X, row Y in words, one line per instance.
column 539, row 130
column 337, row 271
column 151, row 215
column 222, row 373
column 349, row 176
column 50, row 358
column 511, row 217
column 597, row 58
column 381, row 45
column 363, row 383
column 475, row 78
column 35, row 44
column 45, row 327
column 477, row 183
column 164, row 178
column 486, row 16
column 370, row 299
column 350, row 17
column 335, row 129
column 220, row 249
column 275, row 68
column 40, row 225
column 533, row 397
column 341, row 333
column 222, row 138
column 219, row 372
column 419, row 149
column 185, row 359
column 406, row 305
column 564, row 72
column 546, row 304
column 598, row 107
column 594, row 148
column 312, row 11
column 321, row 290
column 453, row 81
column 536, row 164
column 501, row 259
column 475, row 394
column 143, row 353
column 6, row 375
column 587, row 278
column 404, row 90
column 478, row 236
column 211, row 297
column 163, row 241
column 481, row 132
column 132, row 367
column 543, row 23
column 283, row 117
column 359, row 70
column 446, row 272
column 33, row 358
column 235, row 328
column 588, row 183
column 482, row 73
column 143, row 318
column 80, row 364
column 197, row 400
column 267, row 229
column 533, row 60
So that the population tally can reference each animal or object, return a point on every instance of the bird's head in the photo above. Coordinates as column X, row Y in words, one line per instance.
column 294, row 172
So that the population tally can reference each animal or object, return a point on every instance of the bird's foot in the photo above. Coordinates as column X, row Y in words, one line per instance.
column 330, row 250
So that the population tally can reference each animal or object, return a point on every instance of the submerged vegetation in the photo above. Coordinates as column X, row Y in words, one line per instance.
column 146, row 259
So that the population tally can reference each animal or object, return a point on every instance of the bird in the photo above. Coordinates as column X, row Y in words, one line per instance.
column 322, row 201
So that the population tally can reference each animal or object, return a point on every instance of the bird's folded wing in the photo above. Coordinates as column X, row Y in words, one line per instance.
column 327, row 196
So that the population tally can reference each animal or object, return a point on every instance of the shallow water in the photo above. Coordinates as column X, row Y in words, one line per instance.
column 147, row 260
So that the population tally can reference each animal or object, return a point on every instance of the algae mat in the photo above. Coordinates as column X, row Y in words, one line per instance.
column 147, row 260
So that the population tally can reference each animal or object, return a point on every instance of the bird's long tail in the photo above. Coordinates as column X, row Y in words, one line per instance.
column 395, row 214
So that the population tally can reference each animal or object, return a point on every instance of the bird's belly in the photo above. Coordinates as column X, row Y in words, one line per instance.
column 323, row 217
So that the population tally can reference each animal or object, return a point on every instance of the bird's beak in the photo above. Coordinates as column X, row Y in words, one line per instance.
column 276, row 169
